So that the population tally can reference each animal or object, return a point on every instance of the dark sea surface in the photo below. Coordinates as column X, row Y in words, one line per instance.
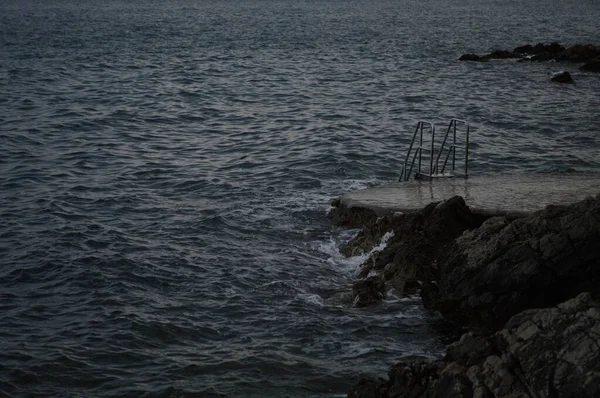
column 166, row 168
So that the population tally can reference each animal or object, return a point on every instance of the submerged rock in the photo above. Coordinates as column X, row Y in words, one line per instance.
column 551, row 352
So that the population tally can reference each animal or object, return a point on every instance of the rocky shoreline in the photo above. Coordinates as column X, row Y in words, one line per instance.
column 524, row 290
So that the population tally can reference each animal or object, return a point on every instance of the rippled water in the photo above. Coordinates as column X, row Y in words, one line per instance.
column 166, row 169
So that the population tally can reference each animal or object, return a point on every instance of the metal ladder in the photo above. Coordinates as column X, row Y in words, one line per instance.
column 434, row 169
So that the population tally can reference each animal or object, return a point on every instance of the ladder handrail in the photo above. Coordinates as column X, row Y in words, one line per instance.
column 412, row 142
column 452, row 148
column 404, row 176
column 418, row 150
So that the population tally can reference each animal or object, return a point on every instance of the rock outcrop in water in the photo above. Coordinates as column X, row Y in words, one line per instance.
column 410, row 255
column 562, row 77
column 579, row 53
column 525, row 287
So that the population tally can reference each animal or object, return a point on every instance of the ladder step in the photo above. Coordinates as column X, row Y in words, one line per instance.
column 427, row 176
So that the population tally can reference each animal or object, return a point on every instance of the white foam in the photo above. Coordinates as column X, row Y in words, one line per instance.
column 312, row 299
column 351, row 264
column 332, row 249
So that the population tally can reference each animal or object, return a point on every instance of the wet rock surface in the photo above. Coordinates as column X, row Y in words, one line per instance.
column 552, row 352
column 368, row 291
column 417, row 239
column 505, row 267
column 526, row 288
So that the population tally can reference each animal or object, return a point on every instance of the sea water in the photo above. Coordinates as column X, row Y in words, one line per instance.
column 166, row 170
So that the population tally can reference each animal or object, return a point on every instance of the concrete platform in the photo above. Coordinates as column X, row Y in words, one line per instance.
column 511, row 195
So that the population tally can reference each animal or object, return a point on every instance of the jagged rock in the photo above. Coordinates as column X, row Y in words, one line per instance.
column 371, row 234
column 562, row 77
column 551, row 49
column 504, row 267
column 526, row 49
column 469, row 350
column 544, row 353
column 368, row 388
column 368, row 291
column 557, row 350
column 469, row 57
column 352, row 217
column 410, row 255
column 592, row 66
column 579, row 53
column 542, row 57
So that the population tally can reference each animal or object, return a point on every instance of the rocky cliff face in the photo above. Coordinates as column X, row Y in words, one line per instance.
column 503, row 267
column 410, row 255
column 526, row 288
column 552, row 352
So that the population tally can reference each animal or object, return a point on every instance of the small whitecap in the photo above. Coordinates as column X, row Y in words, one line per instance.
column 332, row 249
column 312, row 299
column 357, row 350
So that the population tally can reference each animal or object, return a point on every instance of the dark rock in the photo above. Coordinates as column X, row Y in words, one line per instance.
column 526, row 49
column 505, row 267
column 418, row 239
column 551, row 352
column 579, row 53
column 368, row 291
column 500, row 54
column 542, row 57
column 562, row 77
column 352, row 217
column 368, row 388
column 469, row 57
column 371, row 234
column 592, row 66
column 551, row 49
column 469, row 350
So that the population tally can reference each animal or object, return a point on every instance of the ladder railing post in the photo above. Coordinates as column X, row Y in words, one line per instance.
column 403, row 175
column 437, row 159
column 454, row 151
column 432, row 151
column 420, row 151
column 467, row 153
